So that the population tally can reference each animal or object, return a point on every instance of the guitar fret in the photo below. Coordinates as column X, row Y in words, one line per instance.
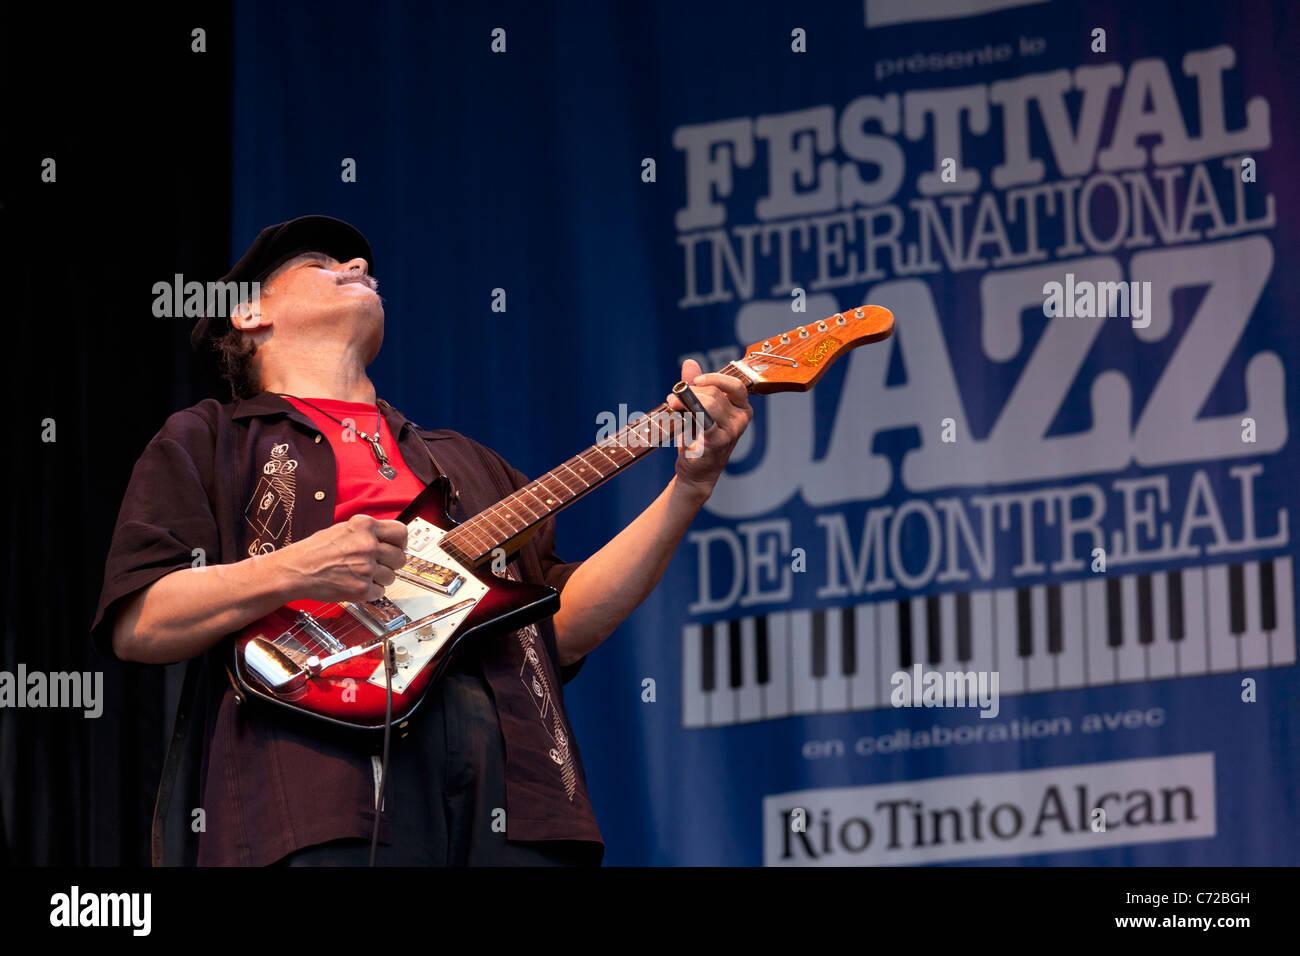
column 576, row 474
column 563, row 484
column 518, row 495
column 502, row 514
column 487, row 517
column 595, row 466
column 606, row 454
column 551, row 493
column 529, row 488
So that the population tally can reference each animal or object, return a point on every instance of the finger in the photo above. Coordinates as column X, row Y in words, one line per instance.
column 690, row 370
column 390, row 556
column 735, row 390
column 393, row 532
column 384, row 576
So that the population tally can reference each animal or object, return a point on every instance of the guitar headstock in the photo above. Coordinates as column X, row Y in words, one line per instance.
column 793, row 361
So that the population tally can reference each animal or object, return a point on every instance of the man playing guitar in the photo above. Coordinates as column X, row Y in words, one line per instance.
column 289, row 493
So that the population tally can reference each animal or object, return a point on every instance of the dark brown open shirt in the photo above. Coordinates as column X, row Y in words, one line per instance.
column 268, row 784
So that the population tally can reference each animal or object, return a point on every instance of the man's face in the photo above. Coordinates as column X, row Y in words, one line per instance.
column 314, row 295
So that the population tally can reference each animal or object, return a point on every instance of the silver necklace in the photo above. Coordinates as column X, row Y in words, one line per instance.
column 385, row 469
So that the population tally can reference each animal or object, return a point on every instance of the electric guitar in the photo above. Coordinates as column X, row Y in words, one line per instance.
column 327, row 660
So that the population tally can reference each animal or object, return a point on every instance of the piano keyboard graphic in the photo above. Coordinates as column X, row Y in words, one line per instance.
column 1098, row 631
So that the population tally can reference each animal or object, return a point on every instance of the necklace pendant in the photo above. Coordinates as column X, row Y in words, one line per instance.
column 388, row 471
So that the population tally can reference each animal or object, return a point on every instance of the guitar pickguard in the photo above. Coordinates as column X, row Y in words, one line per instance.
column 430, row 585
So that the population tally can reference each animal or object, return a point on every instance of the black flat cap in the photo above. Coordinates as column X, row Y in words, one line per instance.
column 276, row 245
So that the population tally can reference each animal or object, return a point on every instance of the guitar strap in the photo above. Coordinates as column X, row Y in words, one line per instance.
column 453, row 495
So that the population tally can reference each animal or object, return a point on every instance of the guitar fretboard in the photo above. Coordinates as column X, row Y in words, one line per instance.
column 475, row 539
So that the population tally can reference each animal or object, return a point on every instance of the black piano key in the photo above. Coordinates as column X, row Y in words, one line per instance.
column 933, row 630
column 963, row 626
column 1236, row 599
column 761, row 650
column 848, row 641
column 1267, row 597
column 819, row 643
column 904, row 633
column 1054, row 619
column 1146, row 613
column 1024, row 622
column 1114, row 613
column 1174, row 586
column 708, row 673
column 734, row 659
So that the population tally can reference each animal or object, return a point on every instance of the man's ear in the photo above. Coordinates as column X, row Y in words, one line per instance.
column 246, row 317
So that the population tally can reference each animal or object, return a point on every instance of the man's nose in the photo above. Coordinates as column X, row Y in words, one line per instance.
column 357, row 265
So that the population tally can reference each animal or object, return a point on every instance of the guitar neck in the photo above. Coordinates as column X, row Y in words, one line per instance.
column 513, row 517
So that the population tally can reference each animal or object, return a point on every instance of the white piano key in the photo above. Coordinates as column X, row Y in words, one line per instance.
column 694, row 706
column 722, row 702
column 982, row 644
column 1101, row 656
column 920, row 646
column 1161, row 655
column 776, row 693
column 887, row 643
column 835, row 686
column 1070, row 662
column 1011, row 669
column 803, row 689
column 1041, row 674
column 1194, row 649
column 1254, row 642
column 864, row 686
column 1131, row 657
column 1223, row 643
column 749, row 698
column 948, row 628
column 1282, row 639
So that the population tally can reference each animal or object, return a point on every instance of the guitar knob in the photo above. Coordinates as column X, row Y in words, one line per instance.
column 803, row 333
column 821, row 326
column 785, row 339
column 401, row 653
column 840, row 320
column 860, row 314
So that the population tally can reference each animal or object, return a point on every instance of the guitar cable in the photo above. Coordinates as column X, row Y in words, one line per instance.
column 383, row 761
column 388, row 731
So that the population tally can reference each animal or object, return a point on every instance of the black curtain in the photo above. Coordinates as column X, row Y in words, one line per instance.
column 138, row 125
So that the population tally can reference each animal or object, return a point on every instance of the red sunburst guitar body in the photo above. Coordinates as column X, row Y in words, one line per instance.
column 353, row 691
column 328, row 660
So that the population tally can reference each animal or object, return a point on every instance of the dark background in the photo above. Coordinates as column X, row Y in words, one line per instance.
column 139, row 127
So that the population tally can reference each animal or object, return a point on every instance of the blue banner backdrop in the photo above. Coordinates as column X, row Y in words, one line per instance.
column 1093, row 509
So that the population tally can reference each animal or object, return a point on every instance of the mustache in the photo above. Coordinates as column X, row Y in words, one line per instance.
column 356, row 275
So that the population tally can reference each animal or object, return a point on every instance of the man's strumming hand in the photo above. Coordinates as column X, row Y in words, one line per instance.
column 350, row 561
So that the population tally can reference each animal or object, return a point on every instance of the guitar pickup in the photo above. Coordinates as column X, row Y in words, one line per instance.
column 380, row 616
column 430, row 575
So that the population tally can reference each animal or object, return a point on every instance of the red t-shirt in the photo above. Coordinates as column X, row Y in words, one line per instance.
column 361, row 488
